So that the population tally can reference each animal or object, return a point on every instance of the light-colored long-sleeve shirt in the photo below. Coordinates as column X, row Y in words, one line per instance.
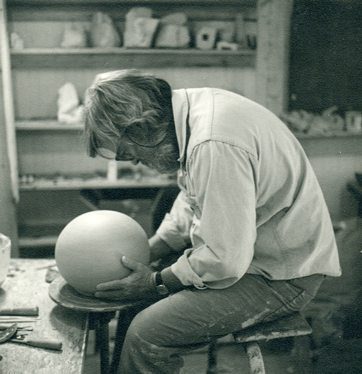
column 249, row 201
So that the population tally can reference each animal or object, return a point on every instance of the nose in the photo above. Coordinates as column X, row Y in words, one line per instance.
column 134, row 161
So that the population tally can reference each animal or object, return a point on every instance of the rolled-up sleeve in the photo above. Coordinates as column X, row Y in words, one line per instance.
column 222, row 184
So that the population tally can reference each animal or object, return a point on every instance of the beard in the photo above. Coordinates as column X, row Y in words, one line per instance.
column 163, row 158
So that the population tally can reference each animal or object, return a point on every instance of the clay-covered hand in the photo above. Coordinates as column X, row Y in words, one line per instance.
column 136, row 286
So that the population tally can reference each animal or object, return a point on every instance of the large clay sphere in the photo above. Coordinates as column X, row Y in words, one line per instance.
column 89, row 249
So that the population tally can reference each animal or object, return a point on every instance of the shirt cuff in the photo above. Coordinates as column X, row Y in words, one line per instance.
column 184, row 272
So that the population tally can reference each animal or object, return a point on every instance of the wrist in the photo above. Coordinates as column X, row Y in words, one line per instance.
column 158, row 284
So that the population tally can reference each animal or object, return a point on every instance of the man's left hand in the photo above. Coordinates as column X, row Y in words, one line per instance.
column 136, row 286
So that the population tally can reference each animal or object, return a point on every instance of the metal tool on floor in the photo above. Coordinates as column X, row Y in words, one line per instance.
column 31, row 312
column 39, row 343
column 8, row 333
column 20, row 328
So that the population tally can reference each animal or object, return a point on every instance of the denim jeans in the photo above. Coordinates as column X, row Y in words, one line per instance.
column 186, row 320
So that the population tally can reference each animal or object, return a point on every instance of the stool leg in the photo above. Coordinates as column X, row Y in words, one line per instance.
column 103, row 336
column 212, row 358
column 124, row 320
column 255, row 356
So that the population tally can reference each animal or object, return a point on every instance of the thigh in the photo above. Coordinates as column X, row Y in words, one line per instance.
column 196, row 316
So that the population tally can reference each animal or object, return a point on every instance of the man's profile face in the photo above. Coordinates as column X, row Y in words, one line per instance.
column 162, row 158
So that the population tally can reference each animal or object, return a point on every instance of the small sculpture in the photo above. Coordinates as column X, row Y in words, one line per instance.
column 69, row 109
column 226, row 46
column 177, row 18
column 74, row 36
column 173, row 32
column 326, row 123
column 353, row 121
column 103, row 33
column 16, row 41
column 140, row 28
column 206, row 38
column 225, row 30
column 139, row 12
column 336, row 122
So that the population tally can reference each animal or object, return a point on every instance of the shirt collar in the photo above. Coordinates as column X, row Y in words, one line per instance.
column 180, row 109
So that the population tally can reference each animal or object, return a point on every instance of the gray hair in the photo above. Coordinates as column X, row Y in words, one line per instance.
column 126, row 102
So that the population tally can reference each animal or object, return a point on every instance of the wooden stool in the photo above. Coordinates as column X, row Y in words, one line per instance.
column 290, row 326
column 100, row 313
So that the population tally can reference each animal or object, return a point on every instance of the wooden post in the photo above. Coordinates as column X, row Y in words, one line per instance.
column 256, row 362
column 272, row 63
column 9, row 194
column 8, row 101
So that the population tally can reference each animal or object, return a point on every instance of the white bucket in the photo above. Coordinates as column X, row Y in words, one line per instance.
column 5, row 246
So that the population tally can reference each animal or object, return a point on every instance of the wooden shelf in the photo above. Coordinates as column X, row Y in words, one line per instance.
column 96, row 183
column 124, row 58
column 54, row 125
column 37, row 242
column 132, row 2
column 46, row 125
column 128, row 51
column 335, row 135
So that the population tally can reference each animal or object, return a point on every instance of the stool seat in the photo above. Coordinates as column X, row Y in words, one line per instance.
column 289, row 326
column 293, row 325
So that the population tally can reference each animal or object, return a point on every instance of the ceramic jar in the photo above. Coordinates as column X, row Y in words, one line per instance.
column 5, row 246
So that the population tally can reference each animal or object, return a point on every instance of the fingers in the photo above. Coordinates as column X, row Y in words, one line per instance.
column 132, row 264
column 127, row 287
column 112, row 285
column 112, row 290
column 110, row 295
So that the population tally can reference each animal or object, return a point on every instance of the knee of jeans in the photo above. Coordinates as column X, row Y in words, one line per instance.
column 143, row 328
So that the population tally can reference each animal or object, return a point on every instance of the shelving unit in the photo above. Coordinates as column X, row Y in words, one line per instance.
column 96, row 183
column 43, row 145
column 328, row 136
column 37, row 242
column 134, row 2
column 46, row 125
column 54, row 125
column 38, row 145
column 124, row 58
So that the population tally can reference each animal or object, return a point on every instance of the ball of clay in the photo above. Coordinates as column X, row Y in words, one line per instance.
column 89, row 249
